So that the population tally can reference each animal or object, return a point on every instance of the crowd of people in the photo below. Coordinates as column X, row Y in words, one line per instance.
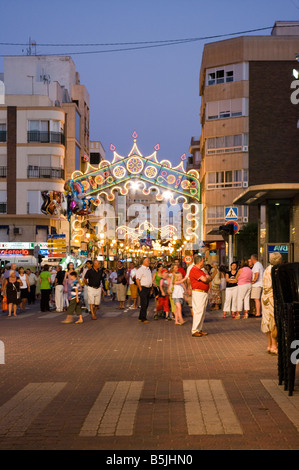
column 238, row 291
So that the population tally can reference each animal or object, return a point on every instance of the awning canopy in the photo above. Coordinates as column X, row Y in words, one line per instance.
column 259, row 194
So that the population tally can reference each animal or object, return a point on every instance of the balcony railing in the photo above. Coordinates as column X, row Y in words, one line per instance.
column 2, row 136
column 45, row 137
column 44, row 172
column 3, row 171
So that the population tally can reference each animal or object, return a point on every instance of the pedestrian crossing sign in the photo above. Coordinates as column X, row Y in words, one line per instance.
column 231, row 213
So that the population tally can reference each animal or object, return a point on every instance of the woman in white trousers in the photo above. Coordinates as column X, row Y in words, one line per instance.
column 244, row 278
column 231, row 291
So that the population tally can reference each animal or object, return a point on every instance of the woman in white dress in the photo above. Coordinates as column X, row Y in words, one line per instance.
column 268, row 325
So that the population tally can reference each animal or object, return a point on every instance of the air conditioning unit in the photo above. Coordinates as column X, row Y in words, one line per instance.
column 245, row 148
column 245, row 184
column 245, row 219
column 17, row 231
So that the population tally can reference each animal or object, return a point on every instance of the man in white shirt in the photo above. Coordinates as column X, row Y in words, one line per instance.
column 133, row 286
column 113, row 283
column 257, row 283
column 144, row 283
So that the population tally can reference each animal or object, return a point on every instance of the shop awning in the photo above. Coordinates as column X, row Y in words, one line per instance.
column 259, row 194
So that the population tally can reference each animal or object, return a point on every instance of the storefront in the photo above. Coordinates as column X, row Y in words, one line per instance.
column 278, row 224
column 19, row 253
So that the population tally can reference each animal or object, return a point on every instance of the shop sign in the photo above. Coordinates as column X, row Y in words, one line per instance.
column 17, row 245
column 14, row 252
column 278, row 248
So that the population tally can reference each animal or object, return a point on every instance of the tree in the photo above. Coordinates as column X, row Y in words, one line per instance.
column 247, row 241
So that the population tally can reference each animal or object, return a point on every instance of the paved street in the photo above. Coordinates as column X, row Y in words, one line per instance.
column 118, row 384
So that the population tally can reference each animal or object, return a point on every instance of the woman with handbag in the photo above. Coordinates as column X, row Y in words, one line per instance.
column 24, row 287
column 215, row 295
column 12, row 288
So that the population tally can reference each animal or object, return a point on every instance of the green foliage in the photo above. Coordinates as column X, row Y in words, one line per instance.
column 247, row 241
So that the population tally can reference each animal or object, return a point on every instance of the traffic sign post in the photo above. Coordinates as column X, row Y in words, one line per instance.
column 231, row 213
column 228, row 230
column 56, row 246
column 36, row 251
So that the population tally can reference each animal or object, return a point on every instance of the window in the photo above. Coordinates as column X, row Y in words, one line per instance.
column 212, row 78
column 226, row 144
column 94, row 158
column 77, row 158
column 2, row 132
column 216, row 214
column 45, row 131
column 226, row 109
column 227, row 73
column 220, row 76
column 226, row 179
column 78, row 124
column 3, row 202
column 34, row 202
column 45, row 166
column 229, row 76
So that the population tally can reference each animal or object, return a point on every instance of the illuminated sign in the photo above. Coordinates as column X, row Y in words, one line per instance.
column 17, row 245
column 14, row 252
column 278, row 248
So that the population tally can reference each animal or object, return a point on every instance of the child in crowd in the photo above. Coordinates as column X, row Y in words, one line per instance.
column 74, row 300
column 163, row 300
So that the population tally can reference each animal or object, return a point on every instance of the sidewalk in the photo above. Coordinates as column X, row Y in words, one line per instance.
column 118, row 384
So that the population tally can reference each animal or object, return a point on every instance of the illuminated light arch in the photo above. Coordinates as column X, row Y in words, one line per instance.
column 172, row 184
column 161, row 175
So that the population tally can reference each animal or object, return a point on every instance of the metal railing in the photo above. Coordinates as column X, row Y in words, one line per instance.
column 45, row 172
column 45, row 137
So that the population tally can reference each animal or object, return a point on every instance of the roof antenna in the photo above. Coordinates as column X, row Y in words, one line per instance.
column 31, row 47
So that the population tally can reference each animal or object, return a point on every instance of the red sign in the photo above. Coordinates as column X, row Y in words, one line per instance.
column 188, row 259
column 14, row 252
column 236, row 226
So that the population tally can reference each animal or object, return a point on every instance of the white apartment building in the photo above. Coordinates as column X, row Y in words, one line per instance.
column 44, row 136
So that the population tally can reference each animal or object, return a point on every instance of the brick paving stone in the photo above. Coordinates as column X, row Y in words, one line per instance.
column 118, row 349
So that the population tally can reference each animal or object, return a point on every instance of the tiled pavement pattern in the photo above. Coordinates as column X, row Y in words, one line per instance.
column 117, row 384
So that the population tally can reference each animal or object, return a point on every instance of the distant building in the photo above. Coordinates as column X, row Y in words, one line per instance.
column 249, row 128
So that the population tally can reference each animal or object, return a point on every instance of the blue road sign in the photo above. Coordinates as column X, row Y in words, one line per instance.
column 231, row 213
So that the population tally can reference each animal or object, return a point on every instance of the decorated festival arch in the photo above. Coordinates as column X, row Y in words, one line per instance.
column 85, row 191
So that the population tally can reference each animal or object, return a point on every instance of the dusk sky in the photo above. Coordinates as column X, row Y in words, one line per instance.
column 153, row 91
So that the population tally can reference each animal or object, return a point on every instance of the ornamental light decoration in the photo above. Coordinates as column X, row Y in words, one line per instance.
column 171, row 183
column 85, row 191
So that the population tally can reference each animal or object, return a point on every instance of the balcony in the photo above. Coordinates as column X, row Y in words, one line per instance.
column 45, row 137
column 44, row 172
column 2, row 136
